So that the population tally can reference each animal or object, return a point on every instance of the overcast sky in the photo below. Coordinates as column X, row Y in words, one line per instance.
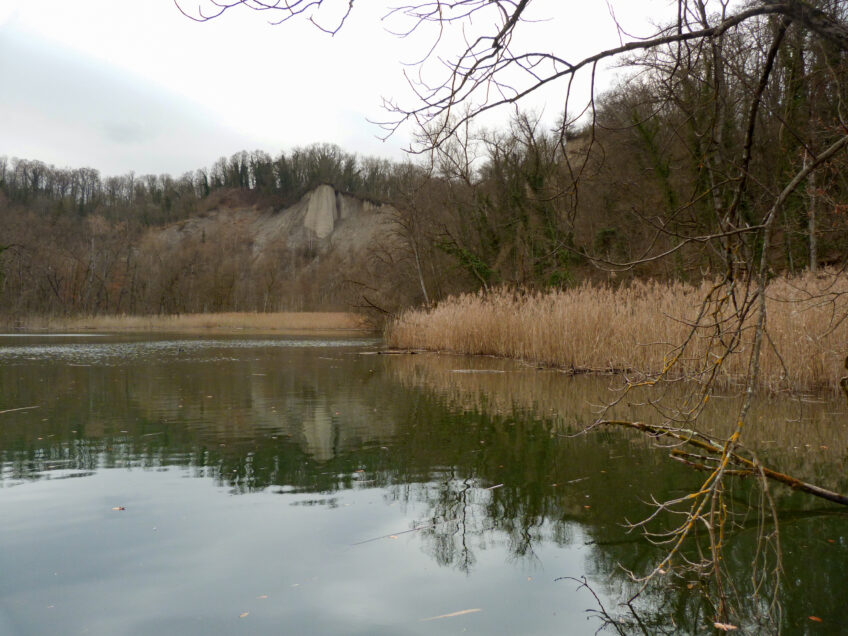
column 124, row 85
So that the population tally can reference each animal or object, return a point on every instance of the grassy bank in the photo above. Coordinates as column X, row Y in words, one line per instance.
column 234, row 321
column 638, row 327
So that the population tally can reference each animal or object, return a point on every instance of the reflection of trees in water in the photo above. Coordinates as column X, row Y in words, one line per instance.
column 800, row 435
column 437, row 462
column 457, row 521
column 448, row 461
column 811, row 583
column 464, row 516
column 797, row 435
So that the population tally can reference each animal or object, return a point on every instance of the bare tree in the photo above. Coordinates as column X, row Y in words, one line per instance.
column 724, row 81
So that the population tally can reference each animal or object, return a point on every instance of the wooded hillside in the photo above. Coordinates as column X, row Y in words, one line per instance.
column 689, row 142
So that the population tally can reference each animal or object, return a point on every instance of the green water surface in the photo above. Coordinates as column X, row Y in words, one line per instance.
column 307, row 486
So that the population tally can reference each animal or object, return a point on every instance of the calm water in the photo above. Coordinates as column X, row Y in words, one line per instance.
column 284, row 486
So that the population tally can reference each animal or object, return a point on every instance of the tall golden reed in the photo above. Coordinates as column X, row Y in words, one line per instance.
column 638, row 326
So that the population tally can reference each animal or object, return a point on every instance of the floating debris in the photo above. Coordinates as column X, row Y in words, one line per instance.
column 453, row 614
column 20, row 408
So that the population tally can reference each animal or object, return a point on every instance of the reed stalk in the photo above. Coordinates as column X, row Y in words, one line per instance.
column 637, row 328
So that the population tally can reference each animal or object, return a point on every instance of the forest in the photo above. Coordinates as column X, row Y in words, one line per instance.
column 679, row 159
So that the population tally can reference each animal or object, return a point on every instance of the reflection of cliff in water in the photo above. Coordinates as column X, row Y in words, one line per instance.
column 485, row 456
column 309, row 400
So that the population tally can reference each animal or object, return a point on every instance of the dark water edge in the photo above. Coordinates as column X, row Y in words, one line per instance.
column 295, row 485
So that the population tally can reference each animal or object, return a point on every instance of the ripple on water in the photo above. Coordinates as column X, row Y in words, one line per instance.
column 112, row 353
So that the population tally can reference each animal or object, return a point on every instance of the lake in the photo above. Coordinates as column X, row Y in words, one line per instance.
column 272, row 485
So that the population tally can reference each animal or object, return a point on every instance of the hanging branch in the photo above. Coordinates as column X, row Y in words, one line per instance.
column 695, row 439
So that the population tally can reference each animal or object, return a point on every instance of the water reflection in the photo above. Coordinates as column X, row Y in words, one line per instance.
column 479, row 464
column 802, row 435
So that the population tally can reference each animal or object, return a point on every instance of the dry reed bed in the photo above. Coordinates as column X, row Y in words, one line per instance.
column 640, row 326
column 281, row 321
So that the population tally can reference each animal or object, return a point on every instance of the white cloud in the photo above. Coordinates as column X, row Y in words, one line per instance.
column 127, row 85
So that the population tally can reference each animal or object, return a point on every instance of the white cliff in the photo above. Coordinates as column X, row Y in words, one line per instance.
column 321, row 211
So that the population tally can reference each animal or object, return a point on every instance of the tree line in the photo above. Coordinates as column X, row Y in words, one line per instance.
column 72, row 241
column 666, row 177
column 156, row 199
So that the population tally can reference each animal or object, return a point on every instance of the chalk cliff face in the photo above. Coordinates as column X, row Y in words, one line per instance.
column 321, row 211
column 323, row 220
column 321, row 243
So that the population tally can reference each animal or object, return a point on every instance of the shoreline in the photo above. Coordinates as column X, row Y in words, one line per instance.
column 295, row 323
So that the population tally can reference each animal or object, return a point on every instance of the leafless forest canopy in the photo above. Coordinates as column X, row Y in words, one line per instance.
column 682, row 159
